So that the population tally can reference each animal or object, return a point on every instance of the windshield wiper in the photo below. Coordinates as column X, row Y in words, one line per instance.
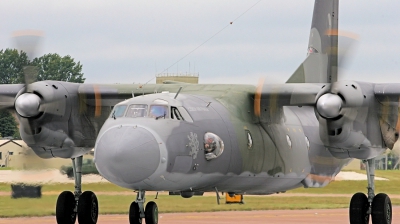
column 160, row 117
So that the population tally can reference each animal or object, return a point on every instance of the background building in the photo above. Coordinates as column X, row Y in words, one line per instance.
column 17, row 155
column 177, row 77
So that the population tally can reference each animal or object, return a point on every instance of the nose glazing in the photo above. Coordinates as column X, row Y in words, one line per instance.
column 127, row 154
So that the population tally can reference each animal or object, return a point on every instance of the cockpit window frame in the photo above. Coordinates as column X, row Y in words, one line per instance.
column 175, row 114
column 116, row 110
column 166, row 111
column 137, row 106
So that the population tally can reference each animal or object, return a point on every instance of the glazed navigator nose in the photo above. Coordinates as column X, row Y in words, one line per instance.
column 127, row 154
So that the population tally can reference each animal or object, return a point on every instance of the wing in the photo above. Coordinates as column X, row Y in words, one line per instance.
column 355, row 119
column 269, row 98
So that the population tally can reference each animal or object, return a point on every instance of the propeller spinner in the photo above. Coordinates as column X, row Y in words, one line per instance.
column 329, row 105
column 27, row 105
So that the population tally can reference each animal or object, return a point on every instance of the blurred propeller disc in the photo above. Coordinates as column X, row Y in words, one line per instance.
column 27, row 104
column 257, row 98
column 28, row 41
column 347, row 46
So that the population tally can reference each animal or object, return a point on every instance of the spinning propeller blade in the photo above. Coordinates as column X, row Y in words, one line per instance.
column 29, row 41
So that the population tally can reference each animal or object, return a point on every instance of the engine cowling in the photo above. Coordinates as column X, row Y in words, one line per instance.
column 44, row 110
column 342, row 111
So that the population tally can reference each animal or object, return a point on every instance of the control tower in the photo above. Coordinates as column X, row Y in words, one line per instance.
column 177, row 77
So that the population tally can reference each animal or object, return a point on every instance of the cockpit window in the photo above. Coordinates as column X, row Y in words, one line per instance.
column 213, row 146
column 175, row 114
column 179, row 113
column 158, row 111
column 118, row 111
column 137, row 110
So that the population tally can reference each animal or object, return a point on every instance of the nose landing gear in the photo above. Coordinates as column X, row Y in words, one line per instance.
column 137, row 211
column 378, row 206
column 70, row 205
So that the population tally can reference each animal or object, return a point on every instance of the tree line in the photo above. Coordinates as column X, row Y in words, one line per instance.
column 50, row 66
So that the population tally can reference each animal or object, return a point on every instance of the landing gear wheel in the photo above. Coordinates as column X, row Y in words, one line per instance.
column 151, row 213
column 88, row 208
column 65, row 208
column 358, row 209
column 381, row 209
column 134, row 214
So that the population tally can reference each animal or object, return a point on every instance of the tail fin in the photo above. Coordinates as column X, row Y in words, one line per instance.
column 321, row 63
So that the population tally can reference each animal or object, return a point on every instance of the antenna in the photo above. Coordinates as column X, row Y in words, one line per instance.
column 180, row 88
column 226, row 26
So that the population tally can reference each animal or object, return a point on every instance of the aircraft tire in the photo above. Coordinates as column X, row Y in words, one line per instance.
column 381, row 209
column 151, row 213
column 88, row 208
column 134, row 214
column 358, row 209
column 65, row 208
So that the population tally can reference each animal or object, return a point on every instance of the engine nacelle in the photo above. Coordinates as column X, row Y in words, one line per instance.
column 342, row 111
column 44, row 111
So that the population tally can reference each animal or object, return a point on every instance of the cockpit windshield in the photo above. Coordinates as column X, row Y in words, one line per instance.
column 158, row 111
column 137, row 110
column 119, row 111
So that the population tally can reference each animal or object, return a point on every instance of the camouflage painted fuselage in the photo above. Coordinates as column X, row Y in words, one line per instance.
column 258, row 157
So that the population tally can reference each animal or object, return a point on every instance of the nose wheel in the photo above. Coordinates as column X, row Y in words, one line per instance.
column 137, row 211
column 72, row 205
column 379, row 206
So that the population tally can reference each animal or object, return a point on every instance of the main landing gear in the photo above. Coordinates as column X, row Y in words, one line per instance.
column 378, row 206
column 137, row 211
column 70, row 205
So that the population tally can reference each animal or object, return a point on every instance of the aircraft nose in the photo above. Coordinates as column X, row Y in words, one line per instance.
column 127, row 154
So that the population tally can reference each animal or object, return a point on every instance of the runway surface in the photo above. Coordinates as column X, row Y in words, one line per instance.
column 327, row 216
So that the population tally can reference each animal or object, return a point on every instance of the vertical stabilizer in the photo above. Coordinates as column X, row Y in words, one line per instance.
column 321, row 63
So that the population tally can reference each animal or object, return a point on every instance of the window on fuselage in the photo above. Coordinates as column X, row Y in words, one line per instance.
column 213, row 146
column 158, row 111
column 137, row 110
column 118, row 111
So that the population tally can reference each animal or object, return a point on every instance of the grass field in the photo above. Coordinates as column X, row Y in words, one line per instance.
column 116, row 200
column 350, row 187
column 5, row 168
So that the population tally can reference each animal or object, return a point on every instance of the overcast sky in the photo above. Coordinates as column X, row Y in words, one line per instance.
column 130, row 41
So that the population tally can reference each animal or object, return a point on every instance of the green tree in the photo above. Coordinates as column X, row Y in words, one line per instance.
column 55, row 67
column 11, row 72
column 49, row 67
column 11, row 66
column 8, row 125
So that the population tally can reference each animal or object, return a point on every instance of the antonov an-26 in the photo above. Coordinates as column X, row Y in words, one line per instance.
column 207, row 138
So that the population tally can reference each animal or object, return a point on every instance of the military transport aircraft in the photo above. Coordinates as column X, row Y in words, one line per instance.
column 201, row 138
